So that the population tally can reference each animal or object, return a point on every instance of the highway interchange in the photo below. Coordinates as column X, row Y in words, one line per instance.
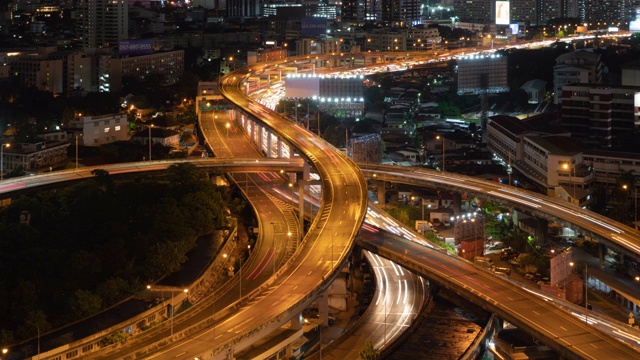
column 343, row 209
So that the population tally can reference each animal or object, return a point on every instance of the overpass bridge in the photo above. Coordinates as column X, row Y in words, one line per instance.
column 621, row 238
column 17, row 186
column 342, row 212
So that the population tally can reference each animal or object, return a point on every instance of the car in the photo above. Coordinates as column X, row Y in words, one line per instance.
column 436, row 222
column 508, row 254
column 514, row 262
column 529, row 276
column 446, row 222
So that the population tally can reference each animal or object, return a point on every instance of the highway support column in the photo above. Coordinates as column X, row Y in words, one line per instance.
column 542, row 228
column 457, row 202
column 323, row 308
column 296, row 322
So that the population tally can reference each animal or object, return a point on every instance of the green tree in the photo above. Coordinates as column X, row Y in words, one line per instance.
column 113, row 290
column 103, row 179
column 184, row 175
column 84, row 303
column 34, row 323
column 368, row 352
column 164, row 258
column 336, row 135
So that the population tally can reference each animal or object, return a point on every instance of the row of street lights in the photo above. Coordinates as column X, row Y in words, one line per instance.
column 173, row 290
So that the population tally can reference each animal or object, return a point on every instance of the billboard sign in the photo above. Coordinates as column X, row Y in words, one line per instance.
column 135, row 47
column 515, row 28
column 297, row 86
column 502, row 13
column 313, row 26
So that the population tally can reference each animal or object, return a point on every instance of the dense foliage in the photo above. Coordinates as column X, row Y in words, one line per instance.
column 92, row 244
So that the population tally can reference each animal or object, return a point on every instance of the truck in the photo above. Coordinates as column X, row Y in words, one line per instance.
column 441, row 216
column 423, row 226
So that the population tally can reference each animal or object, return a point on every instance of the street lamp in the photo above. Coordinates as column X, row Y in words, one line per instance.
column 173, row 290
column 572, row 179
column 150, row 126
column 635, row 204
column 2, row 146
column 421, row 205
column 77, row 151
column 438, row 137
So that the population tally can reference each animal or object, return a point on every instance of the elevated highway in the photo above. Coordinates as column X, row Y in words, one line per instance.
column 342, row 211
column 571, row 337
column 15, row 187
column 617, row 236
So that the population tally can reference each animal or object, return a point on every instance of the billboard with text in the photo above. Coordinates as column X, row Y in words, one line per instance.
column 313, row 26
column 135, row 47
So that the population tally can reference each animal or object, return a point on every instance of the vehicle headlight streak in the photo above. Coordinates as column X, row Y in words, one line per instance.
column 514, row 199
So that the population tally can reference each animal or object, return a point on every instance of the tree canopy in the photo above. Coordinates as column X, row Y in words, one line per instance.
column 93, row 244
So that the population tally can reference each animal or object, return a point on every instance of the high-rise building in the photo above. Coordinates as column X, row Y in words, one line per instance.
column 243, row 9
column 401, row 12
column 474, row 11
column 523, row 11
column 102, row 23
column 610, row 12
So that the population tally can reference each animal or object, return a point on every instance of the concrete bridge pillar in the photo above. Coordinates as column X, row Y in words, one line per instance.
column 279, row 148
column 498, row 324
column 542, row 226
column 323, row 308
column 262, row 133
column 269, row 144
column 457, row 202
column 296, row 322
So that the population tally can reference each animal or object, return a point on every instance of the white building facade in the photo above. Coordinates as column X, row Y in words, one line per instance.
column 101, row 129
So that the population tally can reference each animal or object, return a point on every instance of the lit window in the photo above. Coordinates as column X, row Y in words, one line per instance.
column 117, row 128
column 106, row 129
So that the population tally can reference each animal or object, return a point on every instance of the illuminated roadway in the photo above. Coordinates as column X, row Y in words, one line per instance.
column 613, row 234
column 16, row 186
column 343, row 208
column 558, row 329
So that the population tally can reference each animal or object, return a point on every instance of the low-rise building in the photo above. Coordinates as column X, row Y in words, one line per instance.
column 100, row 129
column 34, row 157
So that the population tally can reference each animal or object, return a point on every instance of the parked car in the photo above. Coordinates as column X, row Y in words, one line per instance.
column 529, row 276
column 508, row 254
column 446, row 222
column 502, row 270
column 436, row 222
